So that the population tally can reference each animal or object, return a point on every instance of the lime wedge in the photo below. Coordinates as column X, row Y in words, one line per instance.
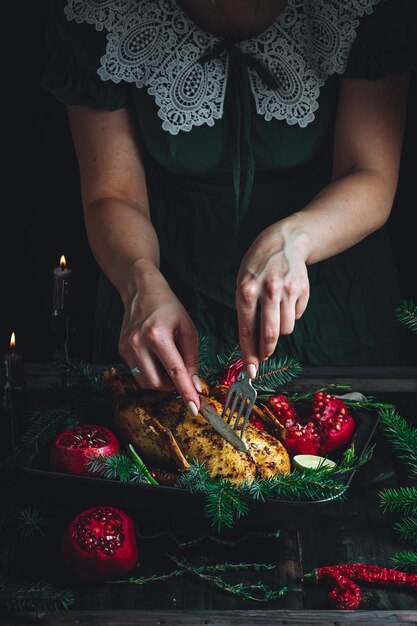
column 312, row 461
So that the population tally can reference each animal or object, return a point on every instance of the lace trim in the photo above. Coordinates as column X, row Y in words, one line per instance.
column 154, row 44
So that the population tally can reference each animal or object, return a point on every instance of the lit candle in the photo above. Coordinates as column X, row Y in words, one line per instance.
column 62, row 289
column 13, row 362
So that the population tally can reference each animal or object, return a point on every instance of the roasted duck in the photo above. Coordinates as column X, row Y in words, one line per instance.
column 166, row 435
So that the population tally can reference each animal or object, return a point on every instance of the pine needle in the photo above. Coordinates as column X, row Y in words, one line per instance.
column 224, row 505
column 31, row 522
column 406, row 314
column 118, row 466
column 401, row 435
column 407, row 529
column 403, row 499
column 406, row 561
column 275, row 373
column 77, row 372
column 40, row 597
column 45, row 425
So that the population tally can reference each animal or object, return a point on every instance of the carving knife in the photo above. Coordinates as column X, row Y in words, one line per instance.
column 222, row 426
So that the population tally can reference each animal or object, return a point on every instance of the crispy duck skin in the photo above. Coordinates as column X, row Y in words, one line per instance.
column 166, row 434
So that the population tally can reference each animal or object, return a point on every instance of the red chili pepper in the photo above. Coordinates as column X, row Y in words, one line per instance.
column 232, row 372
column 346, row 594
column 382, row 576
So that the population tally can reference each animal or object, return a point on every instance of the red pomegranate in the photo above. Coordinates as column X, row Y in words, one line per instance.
column 325, row 430
column 71, row 450
column 100, row 544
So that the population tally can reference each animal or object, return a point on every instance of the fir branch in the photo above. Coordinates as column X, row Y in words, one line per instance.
column 40, row 597
column 230, row 354
column 223, row 360
column 195, row 478
column 406, row 314
column 31, row 522
column 204, row 363
column 118, row 466
column 46, row 424
column 78, row 373
column 275, row 373
column 406, row 561
column 224, row 505
column 407, row 529
column 350, row 462
column 307, row 484
column 403, row 499
column 401, row 435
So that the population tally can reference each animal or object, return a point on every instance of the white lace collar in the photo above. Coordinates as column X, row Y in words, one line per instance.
column 154, row 44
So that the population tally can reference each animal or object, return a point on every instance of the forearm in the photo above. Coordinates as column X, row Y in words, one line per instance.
column 123, row 242
column 341, row 215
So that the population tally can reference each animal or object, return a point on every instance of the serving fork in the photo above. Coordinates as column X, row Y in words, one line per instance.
column 242, row 392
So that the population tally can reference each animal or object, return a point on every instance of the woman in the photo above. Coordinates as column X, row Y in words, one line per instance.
column 238, row 161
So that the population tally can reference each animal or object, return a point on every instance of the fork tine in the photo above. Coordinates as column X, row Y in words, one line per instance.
column 247, row 415
column 240, row 411
column 236, row 395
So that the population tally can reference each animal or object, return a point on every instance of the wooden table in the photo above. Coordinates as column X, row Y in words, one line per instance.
column 356, row 529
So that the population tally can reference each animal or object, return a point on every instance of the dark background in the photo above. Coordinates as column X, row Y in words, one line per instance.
column 42, row 215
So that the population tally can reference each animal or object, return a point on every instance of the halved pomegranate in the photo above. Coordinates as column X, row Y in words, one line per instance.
column 325, row 430
column 71, row 450
column 100, row 544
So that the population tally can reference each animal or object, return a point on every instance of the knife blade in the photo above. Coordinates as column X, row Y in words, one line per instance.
column 221, row 426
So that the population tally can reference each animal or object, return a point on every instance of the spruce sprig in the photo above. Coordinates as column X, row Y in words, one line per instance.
column 401, row 435
column 30, row 522
column 405, row 560
column 406, row 314
column 78, row 373
column 204, row 364
column 224, row 505
column 118, row 466
column 196, row 478
column 40, row 597
column 46, row 424
column 215, row 370
column 407, row 529
column 306, row 485
column 275, row 373
column 402, row 499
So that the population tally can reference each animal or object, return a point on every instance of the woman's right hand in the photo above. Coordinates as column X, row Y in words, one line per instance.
column 159, row 338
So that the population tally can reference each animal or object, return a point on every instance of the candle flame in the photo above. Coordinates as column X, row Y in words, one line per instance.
column 13, row 340
column 63, row 261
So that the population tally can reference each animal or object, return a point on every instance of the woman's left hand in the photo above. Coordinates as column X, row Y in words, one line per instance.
column 272, row 290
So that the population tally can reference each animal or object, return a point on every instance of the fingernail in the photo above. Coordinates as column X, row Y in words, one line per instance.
column 192, row 408
column 251, row 370
column 197, row 383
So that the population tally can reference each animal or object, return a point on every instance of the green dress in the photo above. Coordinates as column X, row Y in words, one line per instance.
column 237, row 137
